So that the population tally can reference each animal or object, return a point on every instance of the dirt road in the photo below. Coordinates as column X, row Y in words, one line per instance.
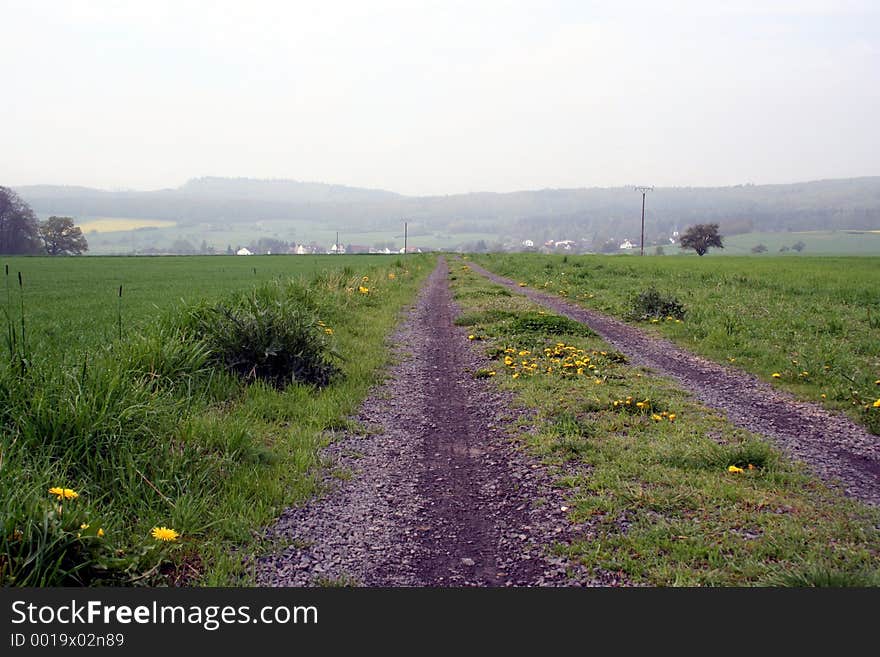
column 837, row 449
column 436, row 492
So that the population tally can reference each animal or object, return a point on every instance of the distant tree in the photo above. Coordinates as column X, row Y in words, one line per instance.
column 268, row 245
column 784, row 249
column 61, row 237
column 182, row 247
column 229, row 250
column 19, row 228
column 759, row 248
column 798, row 246
column 609, row 246
column 659, row 251
column 700, row 238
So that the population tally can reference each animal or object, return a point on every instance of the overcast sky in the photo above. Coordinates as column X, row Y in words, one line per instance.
column 439, row 97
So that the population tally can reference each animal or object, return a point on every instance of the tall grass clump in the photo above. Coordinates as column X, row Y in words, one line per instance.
column 653, row 304
column 271, row 333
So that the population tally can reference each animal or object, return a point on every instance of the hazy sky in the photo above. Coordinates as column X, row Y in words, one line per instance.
column 439, row 97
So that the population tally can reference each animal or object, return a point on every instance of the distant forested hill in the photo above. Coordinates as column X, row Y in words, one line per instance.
column 541, row 214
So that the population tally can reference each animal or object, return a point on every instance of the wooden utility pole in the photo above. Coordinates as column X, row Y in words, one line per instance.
column 643, row 190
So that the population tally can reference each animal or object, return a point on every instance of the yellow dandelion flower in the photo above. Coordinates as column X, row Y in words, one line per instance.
column 515, row 375
column 656, row 417
column 328, row 331
column 735, row 470
column 522, row 284
column 824, row 396
column 63, row 493
column 776, row 375
column 391, row 275
column 365, row 279
column 877, row 382
column 491, row 372
column 164, row 534
column 877, row 404
column 85, row 525
column 525, row 353
column 100, row 533
column 672, row 417
column 472, row 337
column 731, row 360
column 598, row 382
column 363, row 290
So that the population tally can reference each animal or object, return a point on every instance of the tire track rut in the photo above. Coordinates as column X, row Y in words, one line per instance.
column 439, row 492
column 843, row 453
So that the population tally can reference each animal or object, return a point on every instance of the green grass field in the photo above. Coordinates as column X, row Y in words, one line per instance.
column 156, row 428
column 813, row 321
column 75, row 300
column 648, row 470
column 820, row 242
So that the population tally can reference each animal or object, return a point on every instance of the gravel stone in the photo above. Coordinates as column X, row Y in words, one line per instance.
column 441, row 494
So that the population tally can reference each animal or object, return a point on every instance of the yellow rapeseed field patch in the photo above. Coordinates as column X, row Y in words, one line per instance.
column 114, row 224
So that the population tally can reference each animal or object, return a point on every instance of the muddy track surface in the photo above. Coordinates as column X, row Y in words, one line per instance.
column 435, row 492
column 838, row 450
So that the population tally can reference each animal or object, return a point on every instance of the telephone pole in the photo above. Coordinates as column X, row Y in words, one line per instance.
column 644, row 190
column 404, row 237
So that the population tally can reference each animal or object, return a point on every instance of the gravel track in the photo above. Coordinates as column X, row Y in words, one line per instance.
column 438, row 493
column 843, row 453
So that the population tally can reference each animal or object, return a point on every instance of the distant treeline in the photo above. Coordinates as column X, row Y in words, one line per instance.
column 543, row 214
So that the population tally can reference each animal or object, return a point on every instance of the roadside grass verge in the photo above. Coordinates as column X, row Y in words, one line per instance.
column 663, row 489
column 810, row 325
column 165, row 429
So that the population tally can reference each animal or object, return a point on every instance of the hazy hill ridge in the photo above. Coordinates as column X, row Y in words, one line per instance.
column 852, row 203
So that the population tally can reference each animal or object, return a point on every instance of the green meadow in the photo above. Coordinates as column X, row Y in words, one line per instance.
column 75, row 301
column 815, row 242
column 149, row 439
column 808, row 324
